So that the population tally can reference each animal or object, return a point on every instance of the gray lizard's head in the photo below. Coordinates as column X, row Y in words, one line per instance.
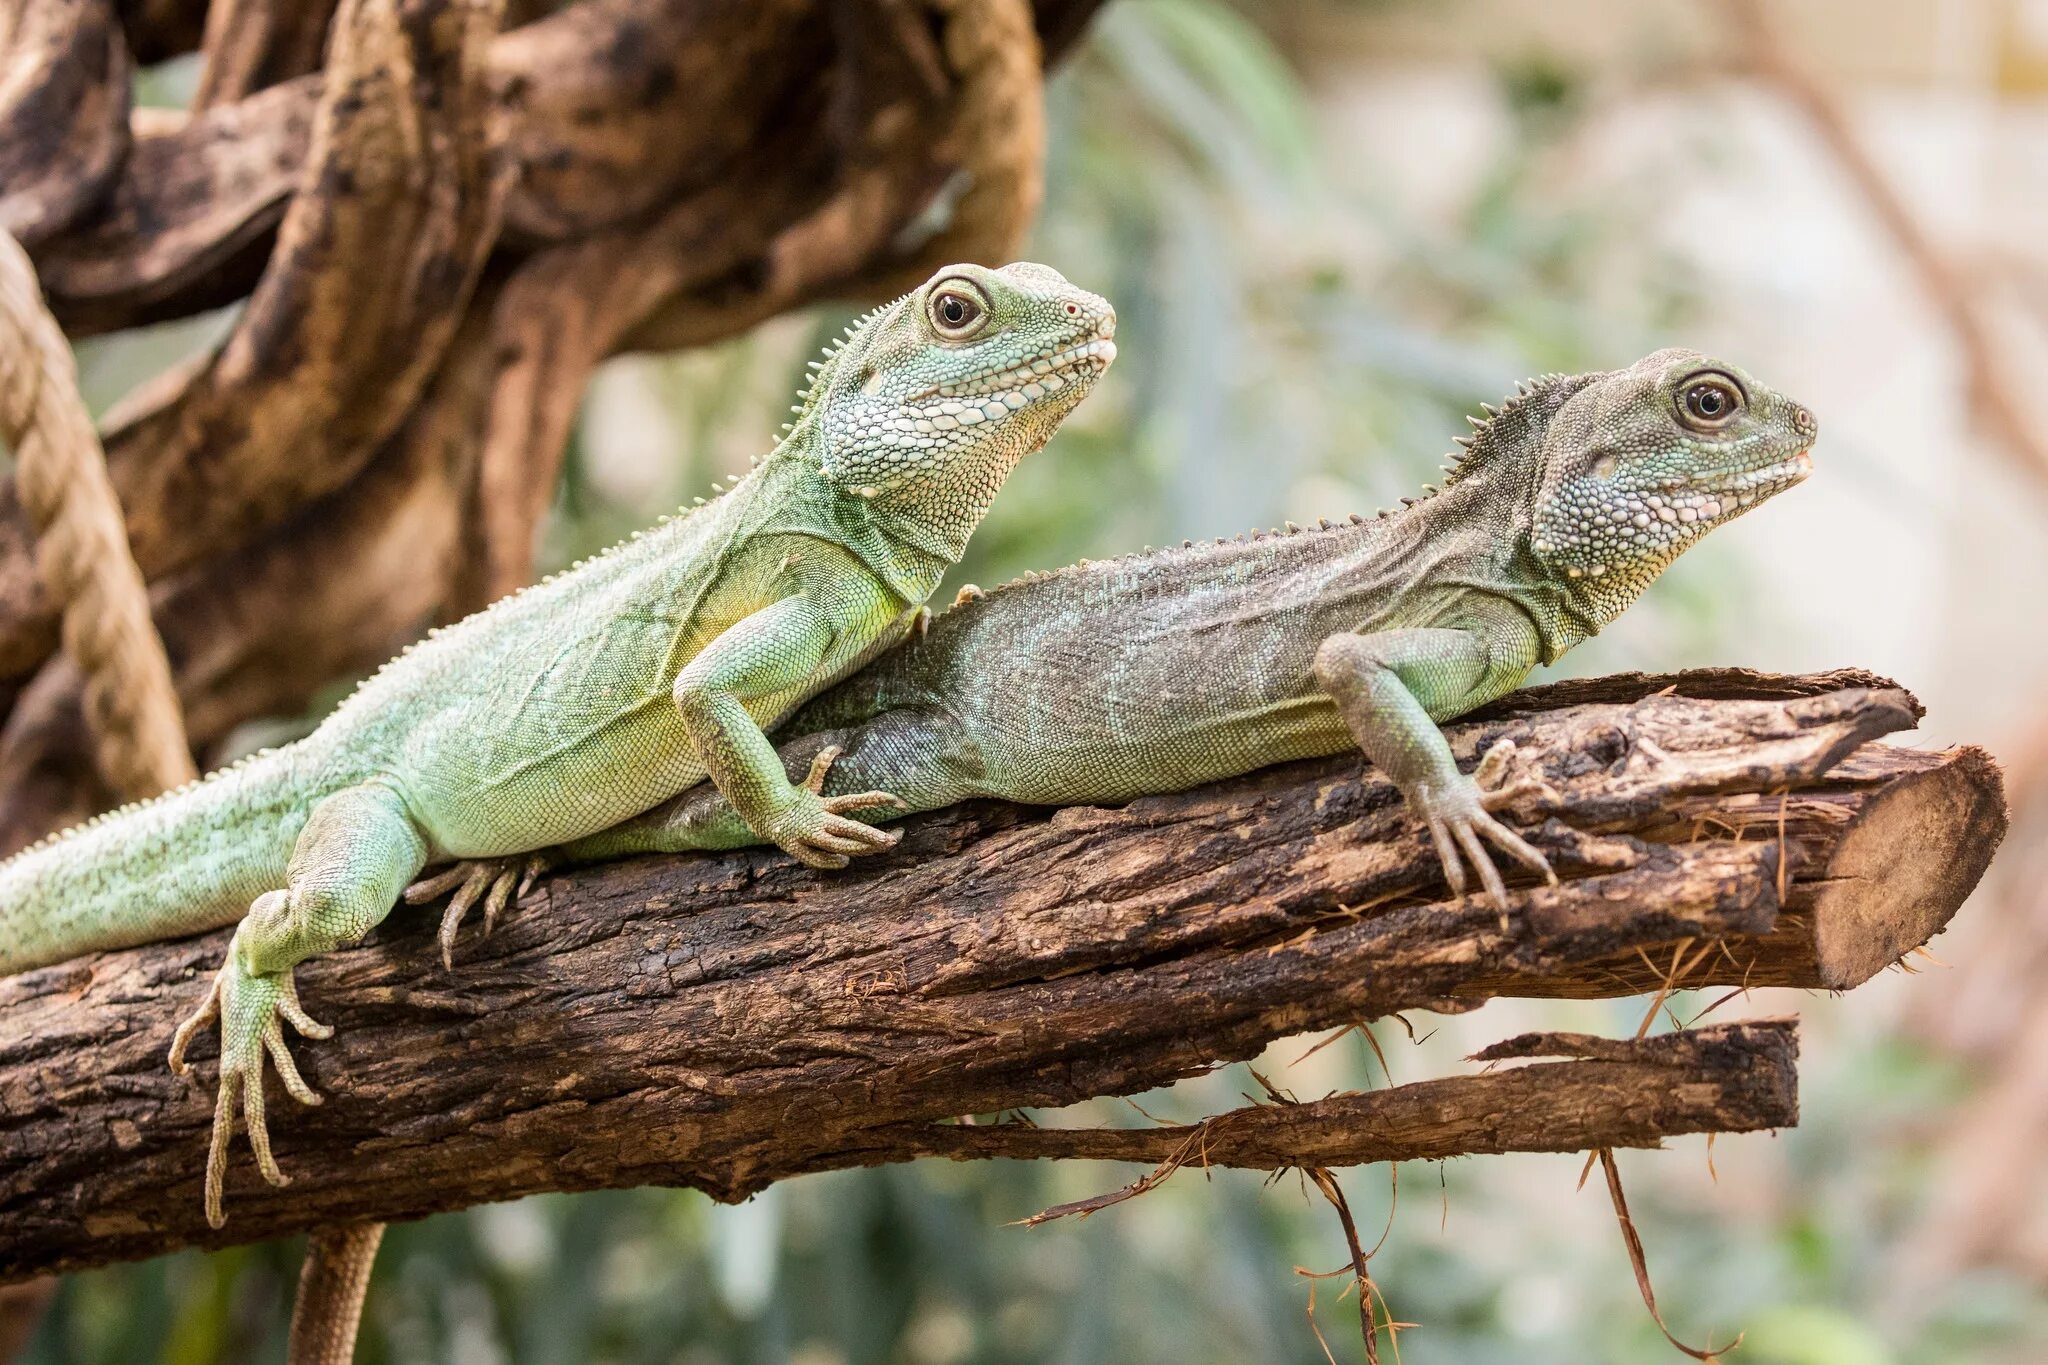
column 1637, row 464
column 932, row 400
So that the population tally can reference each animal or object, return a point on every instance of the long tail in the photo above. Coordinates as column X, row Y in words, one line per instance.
column 184, row 862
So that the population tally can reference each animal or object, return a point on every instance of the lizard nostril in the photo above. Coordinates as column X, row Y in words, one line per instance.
column 1803, row 421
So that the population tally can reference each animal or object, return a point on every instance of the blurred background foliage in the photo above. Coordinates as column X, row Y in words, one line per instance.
column 1331, row 230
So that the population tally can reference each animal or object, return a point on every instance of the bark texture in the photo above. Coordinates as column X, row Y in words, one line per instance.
column 725, row 1021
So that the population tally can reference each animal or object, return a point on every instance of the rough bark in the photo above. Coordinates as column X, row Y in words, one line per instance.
column 64, row 96
column 252, row 45
column 723, row 1021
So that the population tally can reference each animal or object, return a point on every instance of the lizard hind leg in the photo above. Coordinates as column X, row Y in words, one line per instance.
column 503, row 882
column 357, row 850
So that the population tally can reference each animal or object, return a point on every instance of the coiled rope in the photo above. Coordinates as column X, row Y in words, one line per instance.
column 82, row 550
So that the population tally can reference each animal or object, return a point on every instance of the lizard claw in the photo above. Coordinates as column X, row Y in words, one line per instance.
column 823, row 836
column 252, row 1010
column 1461, row 824
column 506, row 880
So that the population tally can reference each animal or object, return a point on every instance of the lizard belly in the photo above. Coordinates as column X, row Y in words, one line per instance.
column 1152, row 721
column 556, row 794
column 1098, row 758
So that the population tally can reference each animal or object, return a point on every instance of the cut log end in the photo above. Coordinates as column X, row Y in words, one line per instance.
column 1904, row 865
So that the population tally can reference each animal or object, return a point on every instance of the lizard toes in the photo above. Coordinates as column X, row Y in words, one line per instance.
column 811, row 855
column 434, row 887
column 873, row 800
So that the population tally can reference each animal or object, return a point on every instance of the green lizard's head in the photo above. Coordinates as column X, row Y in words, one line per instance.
column 932, row 400
column 1637, row 464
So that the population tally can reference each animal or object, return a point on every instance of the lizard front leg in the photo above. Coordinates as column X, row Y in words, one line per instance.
column 1391, row 687
column 358, row 849
column 776, row 651
column 752, row 798
column 894, row 764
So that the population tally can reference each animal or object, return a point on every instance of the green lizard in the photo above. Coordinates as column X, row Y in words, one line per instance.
column 1152, row 673
column 585, row 699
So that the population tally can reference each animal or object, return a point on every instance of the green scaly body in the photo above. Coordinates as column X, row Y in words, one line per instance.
column 583, row 701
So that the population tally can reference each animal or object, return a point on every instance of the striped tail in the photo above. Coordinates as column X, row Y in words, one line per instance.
column 178, row 864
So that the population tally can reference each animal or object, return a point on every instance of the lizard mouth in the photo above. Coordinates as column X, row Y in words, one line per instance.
column 1721, row 492
column 1031, row 379
column 1747, row 484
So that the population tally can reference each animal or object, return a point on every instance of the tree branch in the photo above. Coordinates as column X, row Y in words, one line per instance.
column 613, row 108
column 366, row 287
column 721, row 1022
column 1725, row 1078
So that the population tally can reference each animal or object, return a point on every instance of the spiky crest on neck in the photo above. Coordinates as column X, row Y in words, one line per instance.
column 825, row 369
column 1503, row 435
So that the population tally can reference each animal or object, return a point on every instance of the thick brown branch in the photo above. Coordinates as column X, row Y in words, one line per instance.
column 721, row 1021
column 618, row 106
column 192, row 218
column 252, row 45
column 613, row 108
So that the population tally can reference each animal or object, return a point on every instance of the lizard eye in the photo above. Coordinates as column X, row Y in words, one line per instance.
column 1707, row 402
column 957, row 309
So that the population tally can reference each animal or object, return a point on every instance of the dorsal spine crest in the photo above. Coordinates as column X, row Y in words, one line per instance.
column 1489, row 440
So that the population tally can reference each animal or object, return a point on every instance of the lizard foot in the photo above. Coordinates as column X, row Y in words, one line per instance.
column 252, row 1009
column 1461, row 822
column 815, row 829
column 506, row 879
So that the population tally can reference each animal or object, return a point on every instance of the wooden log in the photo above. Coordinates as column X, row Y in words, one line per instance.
column 721, row 1021
column 64, row 106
